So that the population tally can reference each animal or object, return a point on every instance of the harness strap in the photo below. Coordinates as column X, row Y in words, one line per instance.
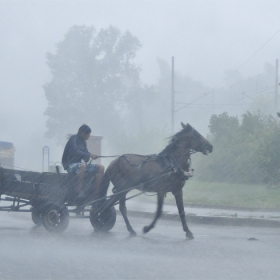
column 107, row 156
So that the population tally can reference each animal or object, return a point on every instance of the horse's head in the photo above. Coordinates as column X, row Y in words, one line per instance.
column 189, row 138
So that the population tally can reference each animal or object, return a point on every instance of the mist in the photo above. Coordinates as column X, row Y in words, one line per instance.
column 215, row 45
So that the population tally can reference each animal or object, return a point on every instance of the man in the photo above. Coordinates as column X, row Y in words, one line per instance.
column 76, row 155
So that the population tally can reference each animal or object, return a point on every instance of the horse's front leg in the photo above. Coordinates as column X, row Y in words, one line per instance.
column 180, row 205
column 123, row 210
column 160, row 197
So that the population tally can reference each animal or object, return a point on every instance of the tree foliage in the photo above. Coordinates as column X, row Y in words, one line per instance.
column 245, row 151
column 93, row 77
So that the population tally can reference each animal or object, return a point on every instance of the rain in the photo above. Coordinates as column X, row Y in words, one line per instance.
column 141, row 75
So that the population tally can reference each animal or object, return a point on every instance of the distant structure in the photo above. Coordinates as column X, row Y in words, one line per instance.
column 45, row 159
column 53, row 166
column 94, row 146
column 7, row 152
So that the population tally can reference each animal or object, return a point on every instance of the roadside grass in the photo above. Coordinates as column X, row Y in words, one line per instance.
column 225, row 195
column 231, row 195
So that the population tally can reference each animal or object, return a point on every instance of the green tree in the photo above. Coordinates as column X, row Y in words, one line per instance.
column 93, row 75
column 223, row 126
column 224, row 135
column 245, row 151
column 268, row 154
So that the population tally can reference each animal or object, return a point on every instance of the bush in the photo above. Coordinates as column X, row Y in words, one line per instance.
column 245, row 151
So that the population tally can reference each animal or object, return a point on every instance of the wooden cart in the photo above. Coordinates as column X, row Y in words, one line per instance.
column 50, row 199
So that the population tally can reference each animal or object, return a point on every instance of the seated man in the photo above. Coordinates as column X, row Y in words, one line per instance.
column 74, row 157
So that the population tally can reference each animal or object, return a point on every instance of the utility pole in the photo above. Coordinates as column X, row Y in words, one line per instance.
column 213, row 101
column 276, row 87
column 172, row 96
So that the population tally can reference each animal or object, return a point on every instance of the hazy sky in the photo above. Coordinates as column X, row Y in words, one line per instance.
column 205, row 37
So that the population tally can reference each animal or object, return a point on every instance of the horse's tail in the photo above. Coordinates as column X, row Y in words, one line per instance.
column 104, row 184
column 110, row 173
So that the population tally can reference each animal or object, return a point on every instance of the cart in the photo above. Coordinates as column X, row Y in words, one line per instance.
column 50, row 197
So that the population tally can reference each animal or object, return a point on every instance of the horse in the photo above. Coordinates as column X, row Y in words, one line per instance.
column 160, row 173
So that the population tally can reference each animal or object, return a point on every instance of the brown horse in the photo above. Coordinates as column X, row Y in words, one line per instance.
column 161, row 173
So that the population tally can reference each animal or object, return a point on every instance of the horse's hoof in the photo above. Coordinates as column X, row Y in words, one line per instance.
column 189, row 235
column 146, row 229
column 133, row 233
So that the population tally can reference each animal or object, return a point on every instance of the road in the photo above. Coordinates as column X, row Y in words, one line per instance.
column 29, row 252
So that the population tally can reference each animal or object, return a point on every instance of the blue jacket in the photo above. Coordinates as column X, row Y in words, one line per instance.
column 75, row 151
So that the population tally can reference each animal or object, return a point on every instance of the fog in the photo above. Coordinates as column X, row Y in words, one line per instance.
column 209, row 40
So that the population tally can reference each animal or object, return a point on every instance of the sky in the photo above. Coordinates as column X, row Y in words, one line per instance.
column 206, row 38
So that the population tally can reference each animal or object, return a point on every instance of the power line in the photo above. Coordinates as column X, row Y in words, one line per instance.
column 260, row 91
column 249, row 58
column 187, row 104
column 244, row 81
column 217, row 104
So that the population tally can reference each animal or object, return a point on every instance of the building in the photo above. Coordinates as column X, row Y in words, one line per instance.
column 94, row 146
column 7, row 152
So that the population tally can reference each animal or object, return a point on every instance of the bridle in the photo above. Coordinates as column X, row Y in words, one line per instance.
column 186, row 152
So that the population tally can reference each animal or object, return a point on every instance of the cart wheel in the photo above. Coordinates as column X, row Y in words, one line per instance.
column 104, row 221
column 55, row 218
column 36, row 216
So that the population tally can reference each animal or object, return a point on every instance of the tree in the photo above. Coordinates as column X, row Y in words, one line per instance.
column 223, row 125
column 268, row 154
column 92, row 76
column 224, row 135
column 245, row 151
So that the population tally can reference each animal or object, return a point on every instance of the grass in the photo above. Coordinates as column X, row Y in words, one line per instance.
column 231, row 195
column 228, row 195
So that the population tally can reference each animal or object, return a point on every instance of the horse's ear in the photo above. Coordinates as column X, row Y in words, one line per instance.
column 186, row 127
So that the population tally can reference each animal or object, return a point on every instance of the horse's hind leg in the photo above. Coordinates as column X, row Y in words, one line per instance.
column 158, row 213
column 180, row 205
column 123, row 210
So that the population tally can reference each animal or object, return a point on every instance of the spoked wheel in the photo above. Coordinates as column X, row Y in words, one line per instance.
column 36, row 216
column 55, row 218
column 104, row 221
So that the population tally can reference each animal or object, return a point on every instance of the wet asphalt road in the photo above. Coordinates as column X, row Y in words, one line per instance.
column 29, row 252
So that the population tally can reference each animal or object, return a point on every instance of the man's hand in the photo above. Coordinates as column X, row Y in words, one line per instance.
column 93, row 156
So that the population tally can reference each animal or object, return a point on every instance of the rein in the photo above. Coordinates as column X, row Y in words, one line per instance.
column 120, row 156
column 107, row 156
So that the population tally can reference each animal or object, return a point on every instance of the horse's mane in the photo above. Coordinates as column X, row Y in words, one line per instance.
column 166, row 151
